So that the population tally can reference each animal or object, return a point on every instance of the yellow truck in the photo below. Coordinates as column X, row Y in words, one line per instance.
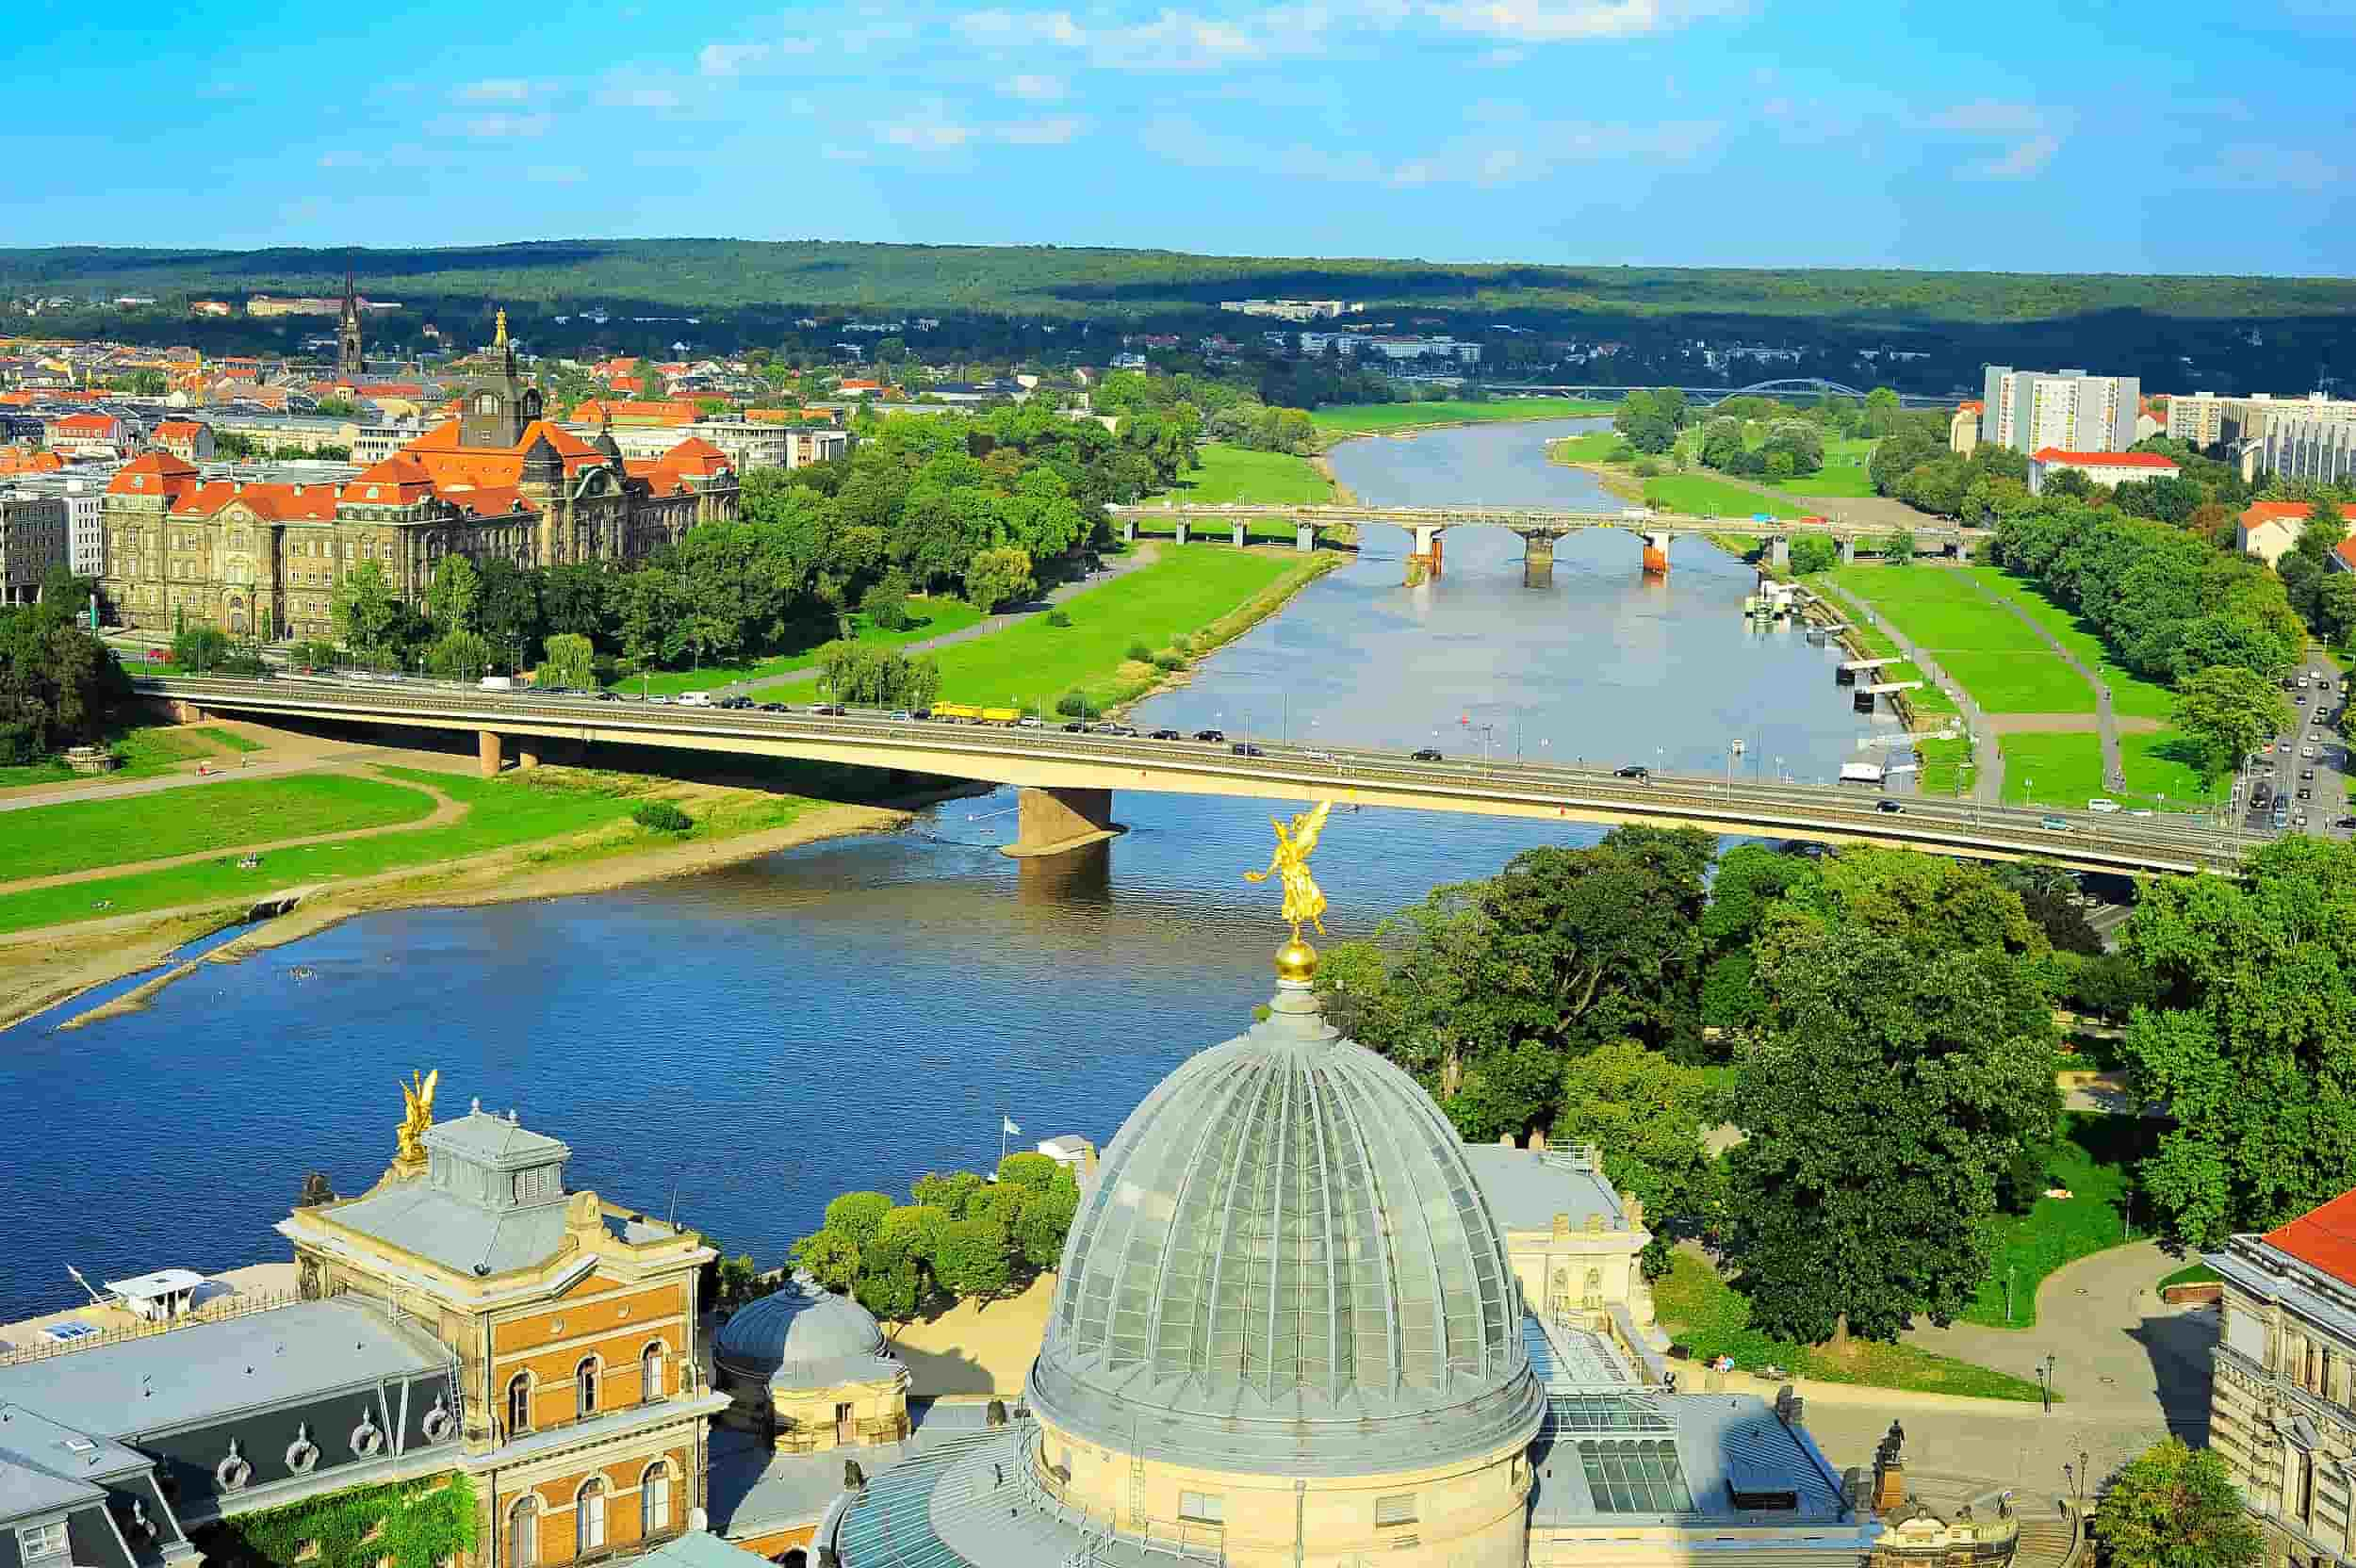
column 965, row 712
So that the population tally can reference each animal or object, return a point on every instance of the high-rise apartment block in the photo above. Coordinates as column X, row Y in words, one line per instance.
column 2030, row 410
column 2207, row 419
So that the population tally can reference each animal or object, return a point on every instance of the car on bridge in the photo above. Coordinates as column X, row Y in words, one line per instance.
column 829, row 710
column 2053, row 824
column 774, row 708
column 1634, row 769
column 1426, row 754
column 1210, row 734
column 1892, row 806
column 1166, row 735
column 1245, row 748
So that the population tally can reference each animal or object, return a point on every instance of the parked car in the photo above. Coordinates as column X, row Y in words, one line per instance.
column 1889, row 805
column 1634, row 769
column 1210, row 734
column 1245, row 748
column 1426, row 754
column 2306, row 773
column 2344, row 822
column 1166, row 735
column 2306, row 793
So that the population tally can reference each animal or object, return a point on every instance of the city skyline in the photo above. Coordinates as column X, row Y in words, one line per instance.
column 1659, row 132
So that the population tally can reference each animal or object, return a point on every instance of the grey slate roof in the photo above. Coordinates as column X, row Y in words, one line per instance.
column 200, row 1370
column 1525, row 1189
column 27, row 1487
column 1715, row 1437
column 1286, row 1264
column 802, row 1335
column 695, row 1549
column 2281, row 1283
column 422, row 1218
column 494, row 1140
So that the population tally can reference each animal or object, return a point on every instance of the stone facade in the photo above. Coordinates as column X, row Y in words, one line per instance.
column 265, row 560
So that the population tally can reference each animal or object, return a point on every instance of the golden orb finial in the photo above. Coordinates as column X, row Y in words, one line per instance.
column 1305, row 901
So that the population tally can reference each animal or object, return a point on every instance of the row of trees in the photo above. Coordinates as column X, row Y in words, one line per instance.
column 1792, row 447
column 58, row 684
column 960, row 1237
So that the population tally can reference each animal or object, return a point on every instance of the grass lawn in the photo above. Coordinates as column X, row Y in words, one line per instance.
column 2092, row 1160
column 1597, row 446
column 1703, row 1312
column 1713, row 497
column 223, row 739
column 144, row 753
column 516, row 808
column 2063, row 771
column 1842, row 476
column 1182, row 593
column 2163, row 764
column 928, row 617
column 1231, row 473
column 1360, row 419
column 2131, row 695
column 2020, row 683
column 83, row 835
column 2192, row 1274
column 1939, row 609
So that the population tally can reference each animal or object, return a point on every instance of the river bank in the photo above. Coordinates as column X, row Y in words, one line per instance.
column 37, row 973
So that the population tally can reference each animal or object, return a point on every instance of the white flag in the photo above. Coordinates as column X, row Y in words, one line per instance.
column 1007, row 1122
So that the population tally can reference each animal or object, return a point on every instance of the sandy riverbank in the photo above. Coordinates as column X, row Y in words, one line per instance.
column 37, row 971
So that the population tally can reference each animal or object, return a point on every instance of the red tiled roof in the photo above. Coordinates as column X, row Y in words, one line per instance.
column 667, row 412
column 628, row 383
column 2259, row 513
column 1971, row 405
column 2323, row 1238
column 179, row 429
column 403, row 475
column 2103, row 460
column 2346, row 550
column 153, row 474
column 85, row 424
column 491, row 502
column 277, row 504
column 451, row 465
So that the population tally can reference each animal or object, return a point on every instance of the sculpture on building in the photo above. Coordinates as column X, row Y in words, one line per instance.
column 417, row 1096
column 1305, row 902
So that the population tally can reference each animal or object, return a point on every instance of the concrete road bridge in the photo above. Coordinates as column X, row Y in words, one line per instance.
column 1067, row 780
column 1539, row 527
column 1789, row 386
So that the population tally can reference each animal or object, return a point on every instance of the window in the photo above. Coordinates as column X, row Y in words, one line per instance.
column 654, row 1501
column 40, row 1541
column 1203, row 1508
column 585, row 1388
column 589, row 1519
column 1396, row 1510
column 650, row 1373
column 523, row 1533
column 519, row 1403
column 487, row 404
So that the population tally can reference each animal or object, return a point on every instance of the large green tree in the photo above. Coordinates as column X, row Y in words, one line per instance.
column 2229, row 712
column 1890, row 1093
column 365, row 612
column 2175, row 1506
column 1649, row 1115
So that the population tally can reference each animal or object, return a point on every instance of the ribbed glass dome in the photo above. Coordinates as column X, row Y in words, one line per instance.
column 1285, row 1257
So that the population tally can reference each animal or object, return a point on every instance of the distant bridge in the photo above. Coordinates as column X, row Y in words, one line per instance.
column 1068, row 779
column 1539, row 527
column 1789, row 387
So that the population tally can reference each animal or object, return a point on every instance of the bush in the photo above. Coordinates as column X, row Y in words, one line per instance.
column 663, row 816
column 1056, row 617
column 1645, row 468
column 1139, row 652
column 1071, row 705
column 887, row 614
column 1168, row 660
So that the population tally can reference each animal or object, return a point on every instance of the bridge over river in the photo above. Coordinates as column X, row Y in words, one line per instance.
column 1538, row 526
column 1067, row 780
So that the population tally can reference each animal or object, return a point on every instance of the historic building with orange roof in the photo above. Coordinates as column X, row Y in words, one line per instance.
column 498, row 480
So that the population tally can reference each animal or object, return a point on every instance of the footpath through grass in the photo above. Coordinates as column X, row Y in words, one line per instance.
column 143, row 752
column 1704, row 1314
column 2131, row 695
column 1205, row 592
column 1363, row 419
column 85, row 835
column 1231, row 473
column 516, row 808
column 1713, row 497
column 2092, row 1162
column 927, row 617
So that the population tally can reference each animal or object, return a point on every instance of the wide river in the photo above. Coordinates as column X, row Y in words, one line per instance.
column 746, row 1044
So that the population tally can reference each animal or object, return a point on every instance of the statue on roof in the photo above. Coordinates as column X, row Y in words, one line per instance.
column 1305, row 901
column 498, row 338
column 418, row 1098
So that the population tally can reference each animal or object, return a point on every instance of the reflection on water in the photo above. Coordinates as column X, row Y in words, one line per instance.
column 746, row 1043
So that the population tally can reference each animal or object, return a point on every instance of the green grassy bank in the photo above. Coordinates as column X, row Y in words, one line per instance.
column 83, row 835
column 1372, row 418
column 927, row 617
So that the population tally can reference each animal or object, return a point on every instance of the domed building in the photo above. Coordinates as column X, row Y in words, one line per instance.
column 810, row 1368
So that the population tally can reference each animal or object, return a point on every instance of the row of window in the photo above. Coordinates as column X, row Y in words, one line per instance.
column 588, row 1379
column 1210, row 1507
column 36, row 1542
column 589, row 1511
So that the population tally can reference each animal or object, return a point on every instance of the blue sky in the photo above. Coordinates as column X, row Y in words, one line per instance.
column 2084, row 136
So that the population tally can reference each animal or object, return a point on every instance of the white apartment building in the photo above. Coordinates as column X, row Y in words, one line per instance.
column 1291, row 310
column 32, row 540
column 748, row 444
column 2207, row 420
column 2068, row 410
column 2316, row 449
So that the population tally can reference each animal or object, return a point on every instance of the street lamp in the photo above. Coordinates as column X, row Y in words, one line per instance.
column 2045, row 1382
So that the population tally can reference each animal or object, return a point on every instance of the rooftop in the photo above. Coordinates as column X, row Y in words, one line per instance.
column 2323, row 1238
column 2104, row 460
column 1527, row 1187
column 1679, row 1456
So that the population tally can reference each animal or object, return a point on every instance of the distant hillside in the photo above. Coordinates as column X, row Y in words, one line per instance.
column 723, row 274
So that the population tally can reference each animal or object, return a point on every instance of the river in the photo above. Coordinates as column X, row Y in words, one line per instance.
column 748, row 1043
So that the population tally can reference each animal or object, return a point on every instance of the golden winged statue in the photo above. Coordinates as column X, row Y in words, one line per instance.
column 1289, row 864
column 418, row 1094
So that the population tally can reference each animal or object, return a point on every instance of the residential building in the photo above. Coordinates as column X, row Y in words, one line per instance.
column 623, row 413
column 372, row 444
column 264, row 556
column 1963, row 431
column 748, row 444
column 189, row 440
column 267, row 305
column 32, row 540
column 2284, row 1379
column 2309, row 448
column 2109, row 470
column 2207, row 419
column 2267, row 530
column 1291, row 310
column 208, row 307
column 89, row 434
column 2070, row 410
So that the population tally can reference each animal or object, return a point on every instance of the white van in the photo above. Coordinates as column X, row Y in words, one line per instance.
column 695, row 699
column 499, row 682
column 2103, row 806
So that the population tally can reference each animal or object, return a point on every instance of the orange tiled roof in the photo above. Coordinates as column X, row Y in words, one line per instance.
column 402, row 474
column 492, row 501
column 2103, row 460
column 85, row 424
column 179, row 429
column 154, row 474
column 276, row 504
column 2346, row 550
column 1971, row 405
column 16, row 460
column 451, row 465
column 2323, row 1238
column 2259, row 513
column 627, row 383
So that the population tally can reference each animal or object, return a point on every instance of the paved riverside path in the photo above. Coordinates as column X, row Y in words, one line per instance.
column 1988, row 774
column 1144, row 554
column 309, row 762
column 2114, row 771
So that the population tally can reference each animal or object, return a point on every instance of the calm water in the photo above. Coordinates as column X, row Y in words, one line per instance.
column 751, row 1043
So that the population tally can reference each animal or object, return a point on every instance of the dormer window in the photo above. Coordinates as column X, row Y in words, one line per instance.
column 487, row 404
column 38, row 1542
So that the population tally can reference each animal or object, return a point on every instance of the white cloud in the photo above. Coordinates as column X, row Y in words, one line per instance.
column 932, row 130
column 834, row 152
column 1037, row 88
column 495, row 89
column 727, row 59
column 1171, row 41
column 927, row 131
column 1568, row 21
column 2021, row 162
column 345, row 160
column 638, row 98
column 1052, row 132
column 507, row 125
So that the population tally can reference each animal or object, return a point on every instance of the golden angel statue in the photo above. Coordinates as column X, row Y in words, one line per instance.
column 418, row 1094
column 498, row 338
column 1289, row 864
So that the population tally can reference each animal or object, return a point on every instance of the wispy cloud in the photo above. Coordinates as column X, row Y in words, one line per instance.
column 2024, row 160
column 2035, row 132
column 502, row 126
column 638, row 98
column 495, row 89
column 1052, row 132
column 932, row 130
column 1989, row 117
column 1037, row 88
column 1508, row 151
column 556, row 174
column 1570, row 21
column 728, row 59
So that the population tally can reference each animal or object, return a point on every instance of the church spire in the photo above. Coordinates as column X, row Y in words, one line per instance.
column 348, row 359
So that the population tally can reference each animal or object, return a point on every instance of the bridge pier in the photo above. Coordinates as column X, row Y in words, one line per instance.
column 1425, row 553
column 1240, row 539
column 1848, row 552
column 487, row 743
column 1056, row 821
column 1780, row 551
column 1182, row 531
column 527, row 753
column 1537, row 560
column 1657, row 550
column 1305, row 538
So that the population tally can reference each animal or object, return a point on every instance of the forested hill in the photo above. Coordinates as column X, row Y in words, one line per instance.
column 722, row 274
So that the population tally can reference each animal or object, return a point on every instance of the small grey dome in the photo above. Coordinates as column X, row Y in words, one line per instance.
column 801, row 1336
column 1286, row 1265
